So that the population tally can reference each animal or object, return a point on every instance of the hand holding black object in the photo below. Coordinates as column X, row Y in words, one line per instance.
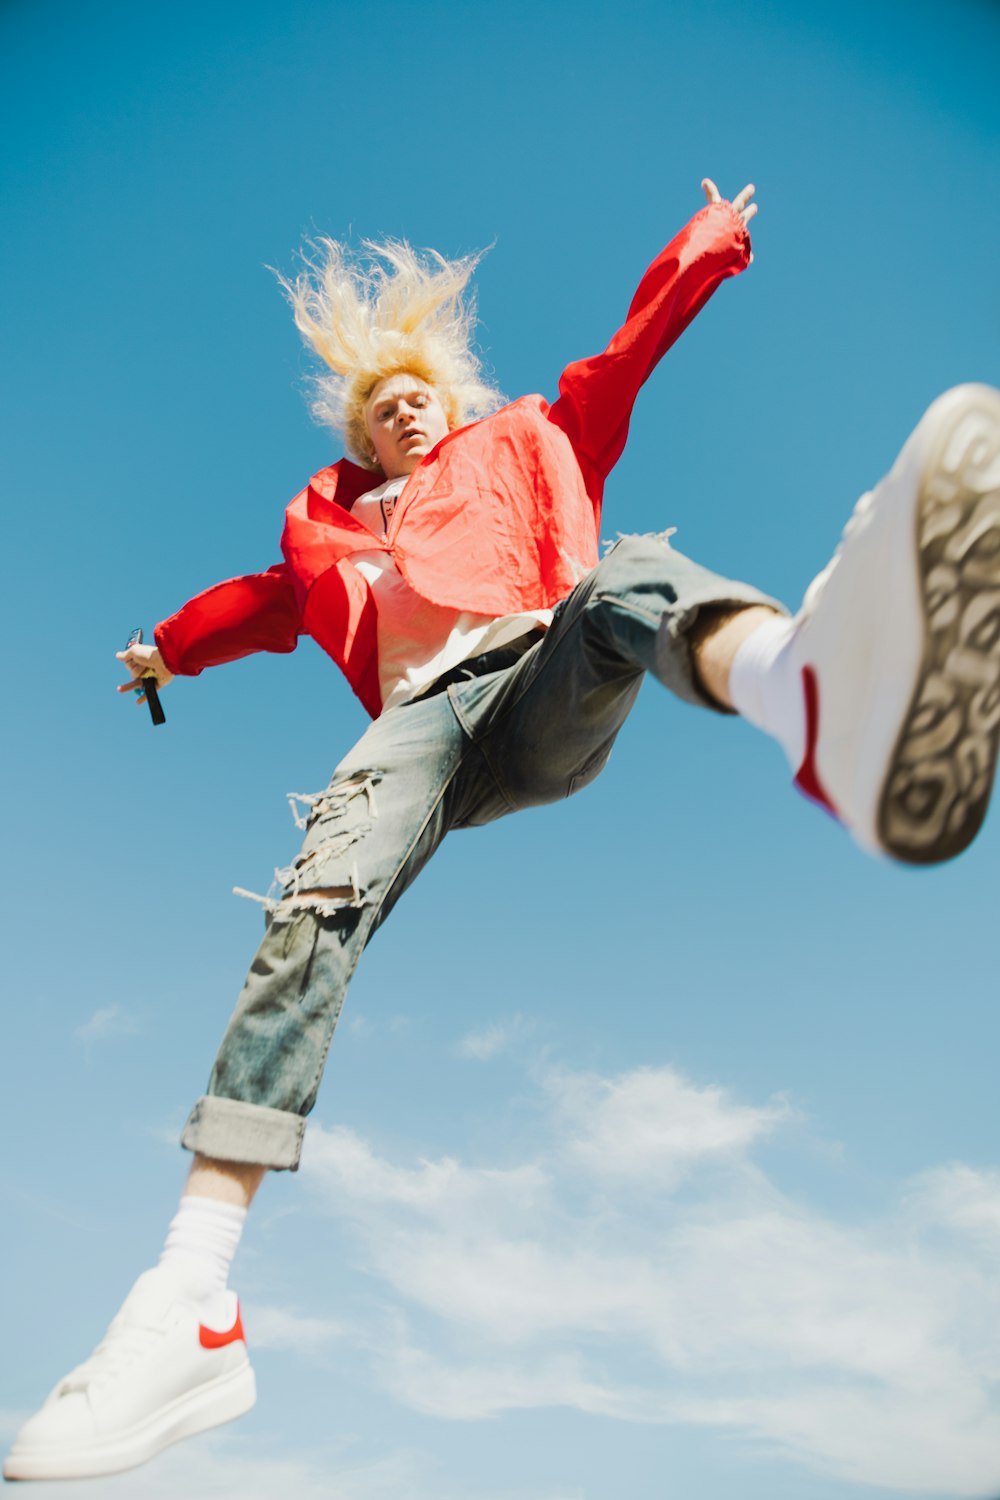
column 148, row 673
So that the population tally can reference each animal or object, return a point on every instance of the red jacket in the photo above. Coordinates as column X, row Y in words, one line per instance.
column 501, row 516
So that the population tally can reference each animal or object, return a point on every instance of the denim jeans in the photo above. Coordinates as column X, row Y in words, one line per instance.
column 515, row 734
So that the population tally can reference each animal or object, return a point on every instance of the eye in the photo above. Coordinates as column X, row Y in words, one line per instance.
column 420, row 399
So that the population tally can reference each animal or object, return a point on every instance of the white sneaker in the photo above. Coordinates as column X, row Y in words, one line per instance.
column 898, row 643
column 158, row 1375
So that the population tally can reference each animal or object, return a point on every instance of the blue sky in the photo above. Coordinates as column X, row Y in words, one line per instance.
column 658, row 1146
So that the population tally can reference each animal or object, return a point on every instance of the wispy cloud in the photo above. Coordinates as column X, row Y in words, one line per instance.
column 281, row 1328
column 218, row 1466
column 959, row 1198
column 648, row 1235
column 108, row 1021
column 359, row 1180
column 500, row 1037
column 473, row 1389
column 231, row 1468
column 360, row 1025
column 652, row 1123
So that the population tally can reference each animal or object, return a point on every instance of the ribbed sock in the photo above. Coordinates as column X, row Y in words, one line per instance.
column 765, row 685
column 200, row 1246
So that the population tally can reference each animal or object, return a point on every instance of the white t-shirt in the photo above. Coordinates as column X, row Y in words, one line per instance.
column 419, row 641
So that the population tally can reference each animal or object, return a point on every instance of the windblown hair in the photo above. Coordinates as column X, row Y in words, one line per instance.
column 389, row 312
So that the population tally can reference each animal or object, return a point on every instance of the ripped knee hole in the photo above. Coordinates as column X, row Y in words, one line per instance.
column 317, row 893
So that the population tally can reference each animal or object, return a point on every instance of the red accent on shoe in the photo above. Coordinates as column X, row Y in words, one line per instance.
column 808, row 778
column 209, row 1339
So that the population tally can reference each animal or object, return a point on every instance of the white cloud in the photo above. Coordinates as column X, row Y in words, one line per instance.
column 518, row 1290
column 361, row 1025
column 281, row 1328
column 653, row 1123
column 344, row 1167
column 109, row 1020
column 958, row 1198
column 500, row 1037
column 218, row 1466
column 483, row 1045
column 471, row 1391
column 932, row 1442
column 646, row 1237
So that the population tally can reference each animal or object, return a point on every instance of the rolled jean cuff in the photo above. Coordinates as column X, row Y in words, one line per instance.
column 233, row 1130
column 674, row 668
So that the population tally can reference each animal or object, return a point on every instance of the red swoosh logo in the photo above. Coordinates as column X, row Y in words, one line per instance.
column 210, row 1339
column 808, row 778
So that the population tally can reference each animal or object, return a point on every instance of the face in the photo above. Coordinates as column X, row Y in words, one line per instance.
column 405, row 419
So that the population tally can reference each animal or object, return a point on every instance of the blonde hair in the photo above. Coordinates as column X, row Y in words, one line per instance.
column 389, row 312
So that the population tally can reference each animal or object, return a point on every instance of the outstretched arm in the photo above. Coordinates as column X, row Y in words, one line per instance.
column 259, row 612
column 596, row 395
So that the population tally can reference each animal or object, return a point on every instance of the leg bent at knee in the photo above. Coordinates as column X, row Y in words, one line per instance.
column 324, row 875
column 672, row 617
column 637, row 564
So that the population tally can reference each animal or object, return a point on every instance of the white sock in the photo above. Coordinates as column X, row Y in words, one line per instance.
column 201, row 1243
column 765, row 685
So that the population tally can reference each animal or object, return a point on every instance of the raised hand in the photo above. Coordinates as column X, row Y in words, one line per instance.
column 741, row 202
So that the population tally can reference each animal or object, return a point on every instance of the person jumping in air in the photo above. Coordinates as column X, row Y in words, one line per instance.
column 451, row 569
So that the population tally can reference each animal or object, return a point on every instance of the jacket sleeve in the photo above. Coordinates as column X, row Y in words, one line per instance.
column 259, row 612
column 596, row 395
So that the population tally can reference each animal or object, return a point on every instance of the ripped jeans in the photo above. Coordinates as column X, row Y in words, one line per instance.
column 516, row 733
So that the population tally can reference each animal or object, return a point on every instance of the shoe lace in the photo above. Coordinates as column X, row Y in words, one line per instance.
column 120, row 1347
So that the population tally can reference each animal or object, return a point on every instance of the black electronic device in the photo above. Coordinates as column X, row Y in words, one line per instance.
column 147, row 685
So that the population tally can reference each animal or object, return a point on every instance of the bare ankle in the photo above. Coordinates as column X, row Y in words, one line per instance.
column 715, row 639
column 224, row 1181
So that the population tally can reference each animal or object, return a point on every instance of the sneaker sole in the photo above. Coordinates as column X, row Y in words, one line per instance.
column 941, row 771
column 221, row 1400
